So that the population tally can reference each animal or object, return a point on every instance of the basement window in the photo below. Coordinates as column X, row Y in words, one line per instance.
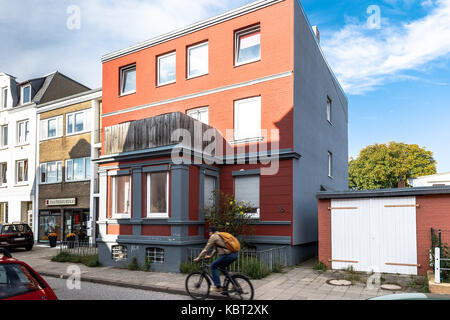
column 119, row 253
column 155, row 255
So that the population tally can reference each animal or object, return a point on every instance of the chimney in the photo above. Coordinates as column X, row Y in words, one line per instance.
column 401, row 183
column 317, row 33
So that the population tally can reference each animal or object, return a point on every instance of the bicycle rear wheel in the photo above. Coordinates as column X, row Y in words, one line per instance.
column 197, row 285
column 241, row 289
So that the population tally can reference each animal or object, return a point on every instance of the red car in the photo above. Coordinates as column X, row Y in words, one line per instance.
column 18, row 281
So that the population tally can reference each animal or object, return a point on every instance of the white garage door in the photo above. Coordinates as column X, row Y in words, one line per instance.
column 374, row 234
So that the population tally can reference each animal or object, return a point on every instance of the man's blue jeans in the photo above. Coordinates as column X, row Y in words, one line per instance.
column 222, row 262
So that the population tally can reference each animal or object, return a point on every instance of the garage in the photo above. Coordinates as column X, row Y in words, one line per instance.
column 384, row 231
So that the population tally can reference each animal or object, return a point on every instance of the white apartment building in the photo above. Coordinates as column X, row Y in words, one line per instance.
column 18, row 132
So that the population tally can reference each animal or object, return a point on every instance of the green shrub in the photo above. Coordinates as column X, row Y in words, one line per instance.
column 252, row 268
column 188, row 266
column 134, row 265
column 320, row 266
column 277, row 268
column 147, row 265
column 89, row 261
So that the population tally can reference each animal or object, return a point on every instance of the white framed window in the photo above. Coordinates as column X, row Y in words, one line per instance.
column 78, row 122
column 3, row 174
column 51, row 172
column 52, row 128
column 247, row 45
column 247, row 119
column 247, row 189
column 3, row 136
column 200, row 114
column 209, row 188
column 25, row 96
column 23, row 131
column 4, row 212
column 155, row 255
column 119, row 253
column 4, row 98
column 158, row 194
column 329, row 109
column 330, row 164
column 198, row 60
column 78, row 169
column 128, row 80
column 167, row 68
column 121, row 196
column 21, row 171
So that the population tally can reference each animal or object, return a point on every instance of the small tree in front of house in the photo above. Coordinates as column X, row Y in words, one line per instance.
column 229, row 215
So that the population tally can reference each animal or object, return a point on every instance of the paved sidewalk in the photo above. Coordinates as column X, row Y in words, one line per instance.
column 297, row 283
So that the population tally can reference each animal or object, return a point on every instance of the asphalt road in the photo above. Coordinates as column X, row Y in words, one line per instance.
column 94, row 291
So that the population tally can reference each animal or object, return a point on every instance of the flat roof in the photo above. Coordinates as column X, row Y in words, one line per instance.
column 398, row 192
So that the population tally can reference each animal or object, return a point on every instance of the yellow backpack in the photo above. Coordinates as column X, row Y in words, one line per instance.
column 231, row 243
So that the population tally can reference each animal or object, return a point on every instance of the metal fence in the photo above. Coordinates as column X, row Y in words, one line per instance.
column 81, row 248
column 258, row 263
column 441, row 252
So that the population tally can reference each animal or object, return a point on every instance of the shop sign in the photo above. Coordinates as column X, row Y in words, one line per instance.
column 61, row 202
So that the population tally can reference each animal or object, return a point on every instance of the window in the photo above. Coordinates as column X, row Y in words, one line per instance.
column 198, row 60
column 3, row 212
column 4, row 98
column 121, row 196
column 128, row 80
column 3, row 136
column 78, row 169
column 22, row 171
column 78, row 122
column 200, row 114
column 247, row 46
column 330, row 164
column 209, row 187
column 155, row 255
column 23, row 130
column 166, row 69
column 119, row 253
column 16, row 280
column 51, row 172
column 26, row 94
column 247, row 118
column 3, row 174
column 329, row 105
column 52, row 128
column 158, row 195
column 246, row 189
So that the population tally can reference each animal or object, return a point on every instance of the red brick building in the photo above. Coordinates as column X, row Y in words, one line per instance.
column 257, row 76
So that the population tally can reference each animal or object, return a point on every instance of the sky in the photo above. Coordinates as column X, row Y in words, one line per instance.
column 390, row 56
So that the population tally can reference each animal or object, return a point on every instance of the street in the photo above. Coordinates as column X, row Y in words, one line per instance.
column 94, row 291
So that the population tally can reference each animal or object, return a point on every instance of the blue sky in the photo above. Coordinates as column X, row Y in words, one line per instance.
column 397, row 76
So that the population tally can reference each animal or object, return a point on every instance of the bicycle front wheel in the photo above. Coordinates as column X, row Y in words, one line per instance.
column 197, row 285
column 240, row 288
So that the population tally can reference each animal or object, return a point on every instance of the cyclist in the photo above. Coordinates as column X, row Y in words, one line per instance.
column 226, row 257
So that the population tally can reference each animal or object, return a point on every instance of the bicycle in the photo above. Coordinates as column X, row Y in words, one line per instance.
column 236, row 286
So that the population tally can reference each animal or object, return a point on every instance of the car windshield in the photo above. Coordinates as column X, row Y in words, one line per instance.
column 15, row 280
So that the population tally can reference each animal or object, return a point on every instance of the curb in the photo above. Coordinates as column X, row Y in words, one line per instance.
column 119, row 284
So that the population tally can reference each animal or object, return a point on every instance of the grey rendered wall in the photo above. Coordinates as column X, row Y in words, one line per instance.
column 314, row 136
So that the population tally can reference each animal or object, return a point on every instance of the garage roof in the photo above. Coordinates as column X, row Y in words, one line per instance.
column 398, row 192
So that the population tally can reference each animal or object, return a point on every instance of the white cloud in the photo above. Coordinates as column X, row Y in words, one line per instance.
column 364, row 59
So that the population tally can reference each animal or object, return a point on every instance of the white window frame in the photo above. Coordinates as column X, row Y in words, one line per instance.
column 329, row 109
column 174, row 53
column 206, row 197
column 155, row 255
column 120, row 215
column 117, row 250
column 59, row 128
column 4, row 100
column 157, row 215
column 253, row 215
column 3, row 184
column 194, row 112
column 2, row 136
column 189, row 75
column 124, row 70
column 86, row 172
column 330, row 164
column 25, row 173
column 237, row 135
column 27, row 135
column 86, row 122
column 44, row 166
column 22, row 89
column 237, row 36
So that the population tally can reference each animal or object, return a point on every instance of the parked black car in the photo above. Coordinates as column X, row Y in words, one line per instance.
column 16, row 235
